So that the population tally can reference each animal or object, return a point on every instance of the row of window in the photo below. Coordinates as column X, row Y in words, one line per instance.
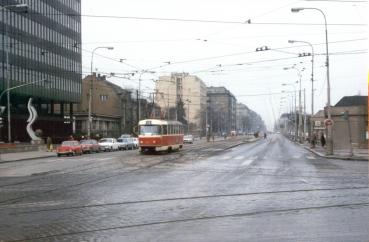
column 56, row 15
column 35, row 53
column 26, row 25
column 59, row 82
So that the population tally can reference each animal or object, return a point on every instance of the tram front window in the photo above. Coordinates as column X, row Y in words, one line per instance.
column 150, row 130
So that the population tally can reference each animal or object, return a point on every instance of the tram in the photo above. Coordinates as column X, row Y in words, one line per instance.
column 160, row 135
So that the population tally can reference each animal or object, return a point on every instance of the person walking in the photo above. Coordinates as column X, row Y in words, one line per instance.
column 49, row 143
column 313, row 140
column 322, row 139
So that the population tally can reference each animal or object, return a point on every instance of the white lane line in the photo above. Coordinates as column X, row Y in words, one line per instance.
column 239, row 157
column 247, row 162
column 225, row 158
column 311, row 157
column 108, row 158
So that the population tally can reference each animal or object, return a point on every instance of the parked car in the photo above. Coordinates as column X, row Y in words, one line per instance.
column 188, row 139
column 90, row 145
column 126, row 143
column 123, row 143
column 108, row 144
column 71, row 147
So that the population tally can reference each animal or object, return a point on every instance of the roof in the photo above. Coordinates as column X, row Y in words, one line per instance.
column 158, row 122
column 352, row 101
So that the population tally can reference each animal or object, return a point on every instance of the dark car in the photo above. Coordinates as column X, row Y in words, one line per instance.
column 89, row 146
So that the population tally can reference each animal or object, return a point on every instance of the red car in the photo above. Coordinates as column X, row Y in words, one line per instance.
column 89, row 146
column 69, row 148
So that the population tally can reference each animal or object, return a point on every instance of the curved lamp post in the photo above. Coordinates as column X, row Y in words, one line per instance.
column 329, row 150
column 89, row 121
column 13, row 8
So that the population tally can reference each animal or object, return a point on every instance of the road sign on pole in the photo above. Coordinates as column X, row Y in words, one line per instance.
column 328, row 122
column 2, row 109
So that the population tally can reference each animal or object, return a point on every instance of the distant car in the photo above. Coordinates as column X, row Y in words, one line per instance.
column 71, row 147
column 108, row 144
column 128, row 143
column 188, row 139
column 89, row 146
column 123, row 143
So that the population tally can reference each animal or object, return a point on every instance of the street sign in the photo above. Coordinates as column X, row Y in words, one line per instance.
column 2, row 108
column 328, row 122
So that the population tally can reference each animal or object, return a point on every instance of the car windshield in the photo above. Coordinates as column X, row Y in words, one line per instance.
column 69, row 143
column 86, row 141
column 105, row 141
column 150, row 130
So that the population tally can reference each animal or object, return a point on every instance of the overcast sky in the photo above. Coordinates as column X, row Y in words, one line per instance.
column 222, row 53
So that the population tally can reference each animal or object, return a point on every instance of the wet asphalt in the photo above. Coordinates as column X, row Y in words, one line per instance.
column 268, row 190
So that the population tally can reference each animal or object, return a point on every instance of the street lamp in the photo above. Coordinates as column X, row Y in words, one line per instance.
column 294, row 87
column 188, row 114
column 89, row 122
column 2, row 108
column 300, row 105
column 13, row 8
column 139, row 92
column 312, row 70
column 329, row 150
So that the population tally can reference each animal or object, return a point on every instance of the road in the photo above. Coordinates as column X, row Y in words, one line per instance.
column 268, row 190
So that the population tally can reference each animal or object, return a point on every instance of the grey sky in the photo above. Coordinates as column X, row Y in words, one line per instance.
column 223, row 54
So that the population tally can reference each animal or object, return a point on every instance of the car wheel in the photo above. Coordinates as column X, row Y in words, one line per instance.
column 58, row 155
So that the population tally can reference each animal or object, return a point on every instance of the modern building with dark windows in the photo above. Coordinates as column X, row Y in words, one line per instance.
column 40, row 40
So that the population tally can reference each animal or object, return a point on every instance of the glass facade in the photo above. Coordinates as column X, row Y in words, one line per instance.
column 42, row 43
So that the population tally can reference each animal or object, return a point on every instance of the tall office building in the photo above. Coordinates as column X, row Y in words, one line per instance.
column 40, row 43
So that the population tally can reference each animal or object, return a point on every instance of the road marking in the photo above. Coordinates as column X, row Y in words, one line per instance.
column 225, row 158
column 311, row 157
column 247, row 162
column 108, row 158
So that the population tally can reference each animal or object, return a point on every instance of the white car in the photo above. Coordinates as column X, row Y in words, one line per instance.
column 188, row 139
column 108, row 144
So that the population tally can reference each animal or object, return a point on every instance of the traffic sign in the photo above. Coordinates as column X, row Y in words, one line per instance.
column 2, row 108
column 328, row 122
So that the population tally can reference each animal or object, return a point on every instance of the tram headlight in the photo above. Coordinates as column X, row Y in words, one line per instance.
column 154, row 141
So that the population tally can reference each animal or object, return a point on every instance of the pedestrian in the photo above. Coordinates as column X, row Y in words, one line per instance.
column 322, row 139
column 313, row 140
column 49, row 143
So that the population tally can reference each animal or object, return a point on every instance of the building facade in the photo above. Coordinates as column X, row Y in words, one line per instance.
column 222, row 113
column 355, row 123
column 188, row 89
column 113, row 110
column 41, row 43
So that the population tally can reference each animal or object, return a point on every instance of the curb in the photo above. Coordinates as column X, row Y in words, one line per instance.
column 24, row 159
column 335, row 157
column 331, row 156
column 242, row 143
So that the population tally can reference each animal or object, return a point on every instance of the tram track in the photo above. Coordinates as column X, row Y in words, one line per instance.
column 171, row 157
column 191, row 198
column 191, row 219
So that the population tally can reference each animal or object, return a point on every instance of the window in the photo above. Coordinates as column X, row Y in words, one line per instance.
column 103, row 98
column 150, row 130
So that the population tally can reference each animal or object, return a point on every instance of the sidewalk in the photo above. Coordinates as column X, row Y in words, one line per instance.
column 19, row 156
column 359, row 154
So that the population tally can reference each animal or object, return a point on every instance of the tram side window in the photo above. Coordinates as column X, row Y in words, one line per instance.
column 165, row 129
